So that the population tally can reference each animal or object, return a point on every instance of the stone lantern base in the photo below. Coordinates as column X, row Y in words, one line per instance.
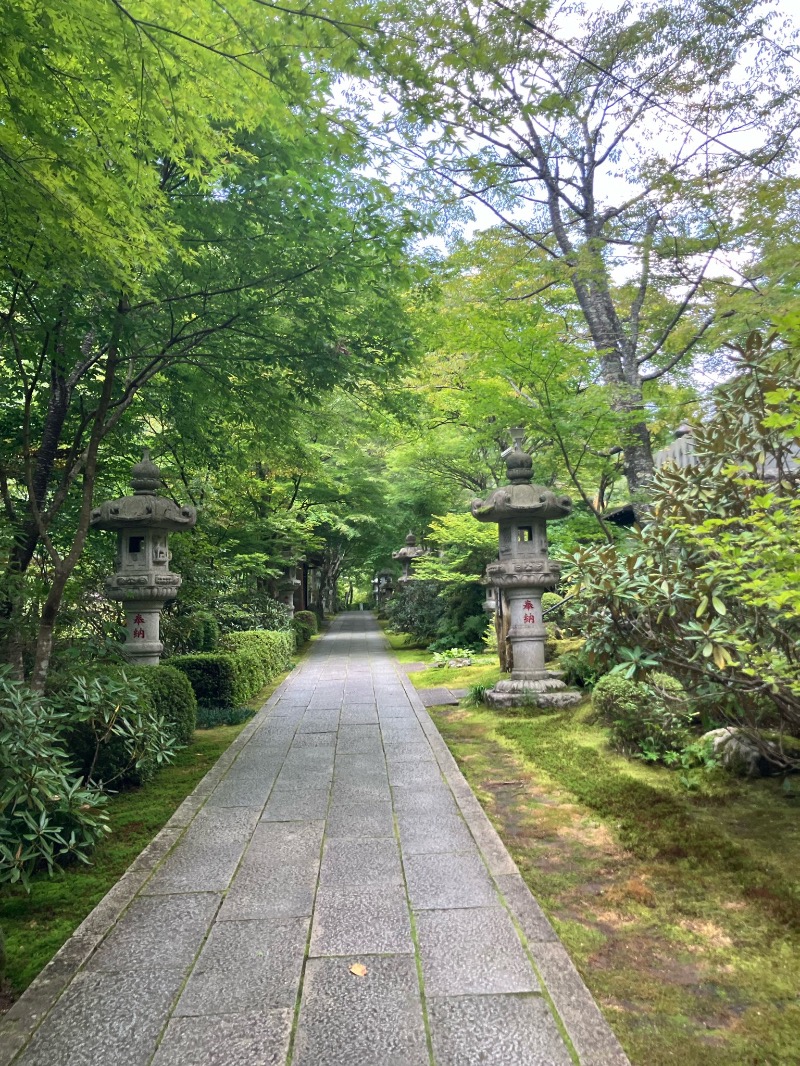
column 545, row 692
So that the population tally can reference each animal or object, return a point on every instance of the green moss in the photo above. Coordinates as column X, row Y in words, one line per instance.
column 680, row 908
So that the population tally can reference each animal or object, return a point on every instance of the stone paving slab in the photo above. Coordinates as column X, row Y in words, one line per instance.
column 336, row 829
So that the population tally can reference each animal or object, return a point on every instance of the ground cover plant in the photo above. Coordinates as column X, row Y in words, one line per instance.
column 679, row 907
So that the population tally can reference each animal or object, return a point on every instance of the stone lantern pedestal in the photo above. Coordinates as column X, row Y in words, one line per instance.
column 522, row 573
column 407, row 556
column 143, row 582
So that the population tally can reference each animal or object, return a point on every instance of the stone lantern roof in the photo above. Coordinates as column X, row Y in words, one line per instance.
column 145, row 508
column 410, row 551
column 521, row 499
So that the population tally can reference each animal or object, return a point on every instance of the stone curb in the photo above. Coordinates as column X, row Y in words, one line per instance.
column 24, row 1017
column 592, row 1037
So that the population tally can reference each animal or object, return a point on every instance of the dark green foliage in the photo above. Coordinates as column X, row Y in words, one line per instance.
column 255, row 611
column 302, row 630
column 233, row 676
column 309, row 619
column 186, row 633
column 271, row 652
column 211, row 715
column 650, row 718
column 417, row 608
column 3, row 957
column 46, row 814
column 578, row 669
column 214, row 676
column 114, row 732
column 173, row 699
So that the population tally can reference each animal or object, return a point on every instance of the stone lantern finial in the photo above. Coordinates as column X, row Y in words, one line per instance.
column 145, row 476
column 407, row 556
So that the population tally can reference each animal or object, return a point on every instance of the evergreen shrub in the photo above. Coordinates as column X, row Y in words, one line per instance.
column 248, row 661
column 114, row 732
column 47, row 814
column 173, row 699
column 649, row 718
column 302, row 630
column 578, row 669
column 308, row 618
column 214, row 676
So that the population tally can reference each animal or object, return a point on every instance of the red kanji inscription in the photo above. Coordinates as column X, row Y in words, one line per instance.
column 138, row 634
column 528, row 605
column 529, row 619
column 138, row 620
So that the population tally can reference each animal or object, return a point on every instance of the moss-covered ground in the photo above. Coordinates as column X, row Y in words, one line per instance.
column 36, row 924
column 677, row 896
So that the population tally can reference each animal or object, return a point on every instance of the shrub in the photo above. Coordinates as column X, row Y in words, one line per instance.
column 114, row 732
column 46, row 813
column 309, row 618
column 253, row 611
column 649, row 718
column 417, row 608
column 578, row 669
column 173, row 699
column 249, row 660
column 273, row 649
column 214, row 676
column 186, row 633
column 302, row 631
column 709, row 586
column 3, row 956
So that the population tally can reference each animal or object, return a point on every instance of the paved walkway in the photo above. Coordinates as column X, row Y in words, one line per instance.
column 336, row 830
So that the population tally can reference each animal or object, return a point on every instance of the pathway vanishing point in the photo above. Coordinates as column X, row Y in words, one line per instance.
column 336, row 830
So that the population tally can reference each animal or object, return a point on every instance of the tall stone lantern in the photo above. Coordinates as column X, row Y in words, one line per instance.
column 143, row 581
column 521, row 574
column 407, row 556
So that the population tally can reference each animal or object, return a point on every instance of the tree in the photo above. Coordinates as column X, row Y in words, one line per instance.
column 245, row 243
column 626, row 149
column 709, row 588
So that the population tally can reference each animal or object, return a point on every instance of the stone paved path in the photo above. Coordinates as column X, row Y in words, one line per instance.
column 336, row 830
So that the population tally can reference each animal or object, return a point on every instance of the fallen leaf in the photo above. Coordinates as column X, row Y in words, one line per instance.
column 359, row 969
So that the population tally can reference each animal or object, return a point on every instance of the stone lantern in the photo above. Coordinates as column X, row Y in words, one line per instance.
column 407, row 556
column 143, row 581
column 521, row 574
column 287, row 586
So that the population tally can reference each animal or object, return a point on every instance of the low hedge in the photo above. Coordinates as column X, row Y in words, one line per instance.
column 302, row 631
column 250, row 660
column 173, row 698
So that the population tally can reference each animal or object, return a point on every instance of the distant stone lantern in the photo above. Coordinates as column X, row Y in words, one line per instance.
column 521, row 574
column 143, row 581
column 407, row 556
column 288, row 586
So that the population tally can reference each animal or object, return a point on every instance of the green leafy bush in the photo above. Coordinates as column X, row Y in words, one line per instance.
column 46, row 814
column 309, row 619
column 186, row 633
column 302, row 631
column 578, row 669
column 215, row 677
column 649, row 718
column 115, row 734
column 273, row 649
column 709, row 586
column 255, row 611
column 416, row 608
column 250, row 660
column 173, row 699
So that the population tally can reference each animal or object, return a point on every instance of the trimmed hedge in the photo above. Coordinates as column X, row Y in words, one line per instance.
column 250, row 660
column 302, row 631
column 173, row 699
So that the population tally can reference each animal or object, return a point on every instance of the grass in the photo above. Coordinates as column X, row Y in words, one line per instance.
column 680, row 906
column 37, row 924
